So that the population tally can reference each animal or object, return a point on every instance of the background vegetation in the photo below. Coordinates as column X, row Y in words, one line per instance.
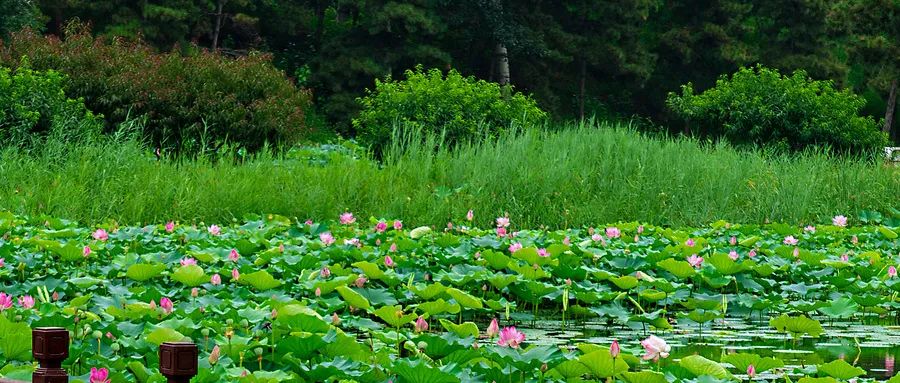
column 579, row 175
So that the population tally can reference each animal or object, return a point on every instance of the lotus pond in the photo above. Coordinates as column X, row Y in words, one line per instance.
column 271, row 299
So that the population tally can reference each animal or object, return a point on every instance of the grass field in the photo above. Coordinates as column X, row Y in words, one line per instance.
column 575, row 175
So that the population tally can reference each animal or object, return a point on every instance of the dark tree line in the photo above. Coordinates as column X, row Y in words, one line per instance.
column 578, row 57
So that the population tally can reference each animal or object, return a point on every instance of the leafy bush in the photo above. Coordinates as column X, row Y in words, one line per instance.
column 190, row 102
column 759, row 106
column 461, row 107
column 17, row 14
column 33, row 105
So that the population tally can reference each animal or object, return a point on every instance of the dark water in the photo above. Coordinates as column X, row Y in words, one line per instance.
column 870, row 347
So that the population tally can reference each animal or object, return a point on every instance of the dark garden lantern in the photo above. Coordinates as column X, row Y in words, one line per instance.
column 178, row 361
column 50, row 346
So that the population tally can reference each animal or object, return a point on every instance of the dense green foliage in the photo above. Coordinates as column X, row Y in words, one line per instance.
column 33, row 106
column 272, row 299
column 609, row 58
column 461, row 108
column 191, row 102
column 18, row 14
column 759, row 106
column 576, row 176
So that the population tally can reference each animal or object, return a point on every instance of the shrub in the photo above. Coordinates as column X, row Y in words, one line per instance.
column 195, row 101
column 460, row 107
column 759, row 106
column 33, row 105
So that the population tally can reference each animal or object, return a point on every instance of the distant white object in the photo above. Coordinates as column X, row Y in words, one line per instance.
column 892, row 153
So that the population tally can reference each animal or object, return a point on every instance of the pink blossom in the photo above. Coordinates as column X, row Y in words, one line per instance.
column 353, row 242
column 690, row 242
column 695, row 261
column 733, row 255
column 790, row 240
column 393, row 248
column 614, row 349
column 27, row 301
column 347, row 218
column 235, row 274
column 892, row 271
column 502, row 221
column 566, row 241
column 543, row 253
column 844, row 258
column 470, row 215
column 214, row 355
column 501, row 231
column 515, row 247
column 335, row 319
column 796, row 252
column 325, row 272
column 613, row 232
column 188, row 261
column 655, row 348
column 381, row 226
column 170, row 226
column 398, row 224
column 214, row 229
column 596, row 238
column 100, row 235
column 2, row 262
column 493, row 329
column 839, row 220
column 388, row 261
column 752, row 253
column 6, row 301
column 421, row 325
column 166, row 304
column 195, row 292
column 326, row 238
column 510, row 337
column 360, row 281
column 640, row 229
column 732, row 241
column 86, row 252
column 233, row 256
column 152, row 305
column 318, row 292
column 308, row 222
column 215, row 280
column 854, row 240
column 274, row 313
column 809, row 229
column 751, row 371
column 99, row 376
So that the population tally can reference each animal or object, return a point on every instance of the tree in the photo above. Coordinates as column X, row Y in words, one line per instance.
column 872, row 30
column 18, row 14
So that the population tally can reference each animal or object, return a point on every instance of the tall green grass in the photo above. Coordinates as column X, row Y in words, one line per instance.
column 576, row 175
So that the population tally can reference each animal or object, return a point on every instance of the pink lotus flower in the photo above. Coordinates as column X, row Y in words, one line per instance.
column 398, row 224
column 353, row 242
column 214, row 355
column 27, row 301
column 188, row 261
column 655, row 348
column 809, row 229
column 347, row 218
column 733, row 255
column 839, row 221
column 166, row 304
column 751, row 371
column 360, row 281
column 790, row 240
column 752, row 253
column 796, row 252
column 640, row 229
column 325, row 272
column 2, row 262
column 170, row 226
column 854, row 240
column 195, row 292
column 381, row 226
column 421, row 325
column 215, row 280
column 153, row 305
column 100, row 235
column 470, row 215
column 86, row 252
column 510, row 337
column 6, row 301
column 543, row 253
column 892, row 271
column 566, row 241
column 274, row 313
column 335, row 319
column 308, row 222
column 326, row 238
column 393, row 248
column 99, row 376
column 493, row 329
column 318, row 292
column 844, row 258
column 690, row 242
column 613, row 232
column 235, row 274
column 515, row 247
column 695, row 261
column 614, row 349
column 388, row 261
column 233, row 256
column 502, row 221
column 214, row 229
column 732, row 241
column 501, row 231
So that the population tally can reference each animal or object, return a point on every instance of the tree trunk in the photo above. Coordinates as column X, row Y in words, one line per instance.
column 502, row 58
column 889, row 113
column 218, row 27
column 581, row 88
